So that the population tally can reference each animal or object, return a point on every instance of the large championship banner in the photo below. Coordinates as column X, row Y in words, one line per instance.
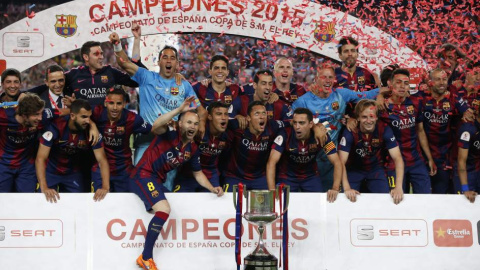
column 422, row 232
column 303, row 24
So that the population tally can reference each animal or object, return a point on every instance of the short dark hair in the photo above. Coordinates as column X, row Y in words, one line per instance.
column 79, row 104
column 386, row 73
column 168, row 47
column 117, row 90
column 363, row 104
column 304, row 111
column 216, row 104
column 11, row 72
column 345, row 41
column 253, row 104
column 29, row 104
column 86, row 47
column 217, row 58
column 450, row 47
column 51, row 69
column 256, row 78
column 402, row 71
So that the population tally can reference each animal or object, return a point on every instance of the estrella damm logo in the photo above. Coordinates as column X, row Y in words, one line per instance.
column 66, row 25
column 324, row 31
column 452, row 233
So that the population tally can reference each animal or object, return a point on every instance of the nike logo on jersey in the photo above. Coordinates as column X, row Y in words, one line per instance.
column 79, row 81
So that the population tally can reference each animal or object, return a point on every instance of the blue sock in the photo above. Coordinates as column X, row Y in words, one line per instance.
column 154, row 229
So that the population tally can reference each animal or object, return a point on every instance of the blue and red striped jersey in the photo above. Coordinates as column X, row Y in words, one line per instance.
column 367, row 151
column 93, row 87
column 298, row 159
column 165, row 153
column 65, row 146
column 249, row 152
column 361, row 80
column 210, row 148
column 296, row 91
column 278, row 110
column 207, row 95
column 18, row 144
column 437, row 121
column 403, row 119
column 116, row 137
column 469, row 138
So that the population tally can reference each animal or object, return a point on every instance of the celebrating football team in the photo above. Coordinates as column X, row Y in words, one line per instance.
column 350, row 131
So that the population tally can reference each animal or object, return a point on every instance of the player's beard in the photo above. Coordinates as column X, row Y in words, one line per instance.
column 79, row 127
column 350, row 62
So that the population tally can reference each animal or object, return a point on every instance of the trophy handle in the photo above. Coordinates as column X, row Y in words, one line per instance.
column 287, row 195
column 234, row 192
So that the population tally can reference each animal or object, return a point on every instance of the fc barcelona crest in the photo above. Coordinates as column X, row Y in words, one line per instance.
column 270, row 114
column 66, row 25
column 335, row 105
column 120, row 130
column 174, row 91
column 221, row 145
column 186, row 156
column 361, row 80
column 104, row 79
column 324, row 32
column 446, row 106
column 375, row 142
column 410, row 109
column 228, row 99
column 82, row 144
column 476, row 104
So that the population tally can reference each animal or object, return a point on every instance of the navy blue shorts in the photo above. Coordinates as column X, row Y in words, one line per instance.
column 258, row 184
column 417, row 175
column 118, row 183
column 72, row 183
column 311, row 184
column 375, row 180
column 149, row 190
column 23, row 179
column 191, row 185
column 473, row 178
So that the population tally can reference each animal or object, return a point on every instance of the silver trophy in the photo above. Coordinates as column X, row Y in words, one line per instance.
column 261, row 211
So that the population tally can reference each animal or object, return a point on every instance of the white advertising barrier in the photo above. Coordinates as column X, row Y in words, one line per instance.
column 423, row 232
column 298, row 23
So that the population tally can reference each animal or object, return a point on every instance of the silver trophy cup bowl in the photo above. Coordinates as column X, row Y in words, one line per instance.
column 261, row 212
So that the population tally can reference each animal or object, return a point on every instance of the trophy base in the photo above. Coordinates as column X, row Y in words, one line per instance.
column 255, row 262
